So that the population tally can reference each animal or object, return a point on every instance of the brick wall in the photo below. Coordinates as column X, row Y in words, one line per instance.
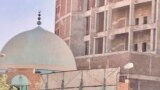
column 122, row 86
column 33, row 78
column 144, row 64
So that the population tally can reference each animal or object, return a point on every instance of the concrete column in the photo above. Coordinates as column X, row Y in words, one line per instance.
column 157, row 10
column 131, row 24
column 96, row 3
column 105, row 21
column 84, row 5
column 152, row 35
column 65, row 7
column 139, row 84
column 131, row 13
column 92, row 31
column 109, row 27
column 152, row 32
column 103, row 45
column 94, row 46
column 157, row 41
column 153, row 11
column 105, row 29
column 105, row 1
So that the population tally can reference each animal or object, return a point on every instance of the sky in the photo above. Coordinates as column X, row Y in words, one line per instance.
column 17, row 16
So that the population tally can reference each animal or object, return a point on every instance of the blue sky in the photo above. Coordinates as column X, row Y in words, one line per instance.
column 17, row 16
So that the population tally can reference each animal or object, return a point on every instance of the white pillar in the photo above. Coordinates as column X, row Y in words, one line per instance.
column 92, row 31
column 105, row 29
column 153, row 11
column 109, row 27
column 152, row 32
column 139, row 84
column 152, row 35
column 131, row 24
column 103, row 51
column 157, row 41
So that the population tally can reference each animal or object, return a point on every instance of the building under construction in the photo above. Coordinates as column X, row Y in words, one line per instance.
column 111, row 33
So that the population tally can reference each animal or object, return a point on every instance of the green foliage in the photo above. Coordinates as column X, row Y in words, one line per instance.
column 3, row 83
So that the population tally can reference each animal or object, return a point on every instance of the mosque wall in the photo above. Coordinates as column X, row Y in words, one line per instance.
column 34, row 79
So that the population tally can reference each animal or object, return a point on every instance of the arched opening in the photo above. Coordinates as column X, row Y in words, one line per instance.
column 20, row 82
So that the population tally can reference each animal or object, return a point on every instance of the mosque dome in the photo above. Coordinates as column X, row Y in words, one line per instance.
column 39, row 49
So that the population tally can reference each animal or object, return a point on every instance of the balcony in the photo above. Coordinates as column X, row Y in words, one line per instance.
column 144, row 27
column 142, row 1
column 120, row 26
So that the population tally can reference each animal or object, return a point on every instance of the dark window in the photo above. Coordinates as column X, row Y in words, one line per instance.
column 144, row 47
column 122, row 78
column 57, row 10
column 101, row 2
column 86, row 47
column 99, row 46
column 57, row 31
column 137, row 21
column 87, row 25
column 135, row 47
column 100, row 22
column 145, row 20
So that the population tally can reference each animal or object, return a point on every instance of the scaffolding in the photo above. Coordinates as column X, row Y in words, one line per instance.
column 98, row 79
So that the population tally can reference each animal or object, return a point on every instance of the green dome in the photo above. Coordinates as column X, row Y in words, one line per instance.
column 37, row 49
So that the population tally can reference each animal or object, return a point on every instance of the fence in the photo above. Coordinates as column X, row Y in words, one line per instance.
column 98, row 79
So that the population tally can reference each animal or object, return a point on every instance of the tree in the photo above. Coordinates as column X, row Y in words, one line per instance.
column 3, row 83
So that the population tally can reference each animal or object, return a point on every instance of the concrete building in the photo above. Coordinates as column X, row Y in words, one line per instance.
column 111, row 33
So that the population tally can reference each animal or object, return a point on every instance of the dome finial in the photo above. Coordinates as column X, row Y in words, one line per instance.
column 39, row 18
